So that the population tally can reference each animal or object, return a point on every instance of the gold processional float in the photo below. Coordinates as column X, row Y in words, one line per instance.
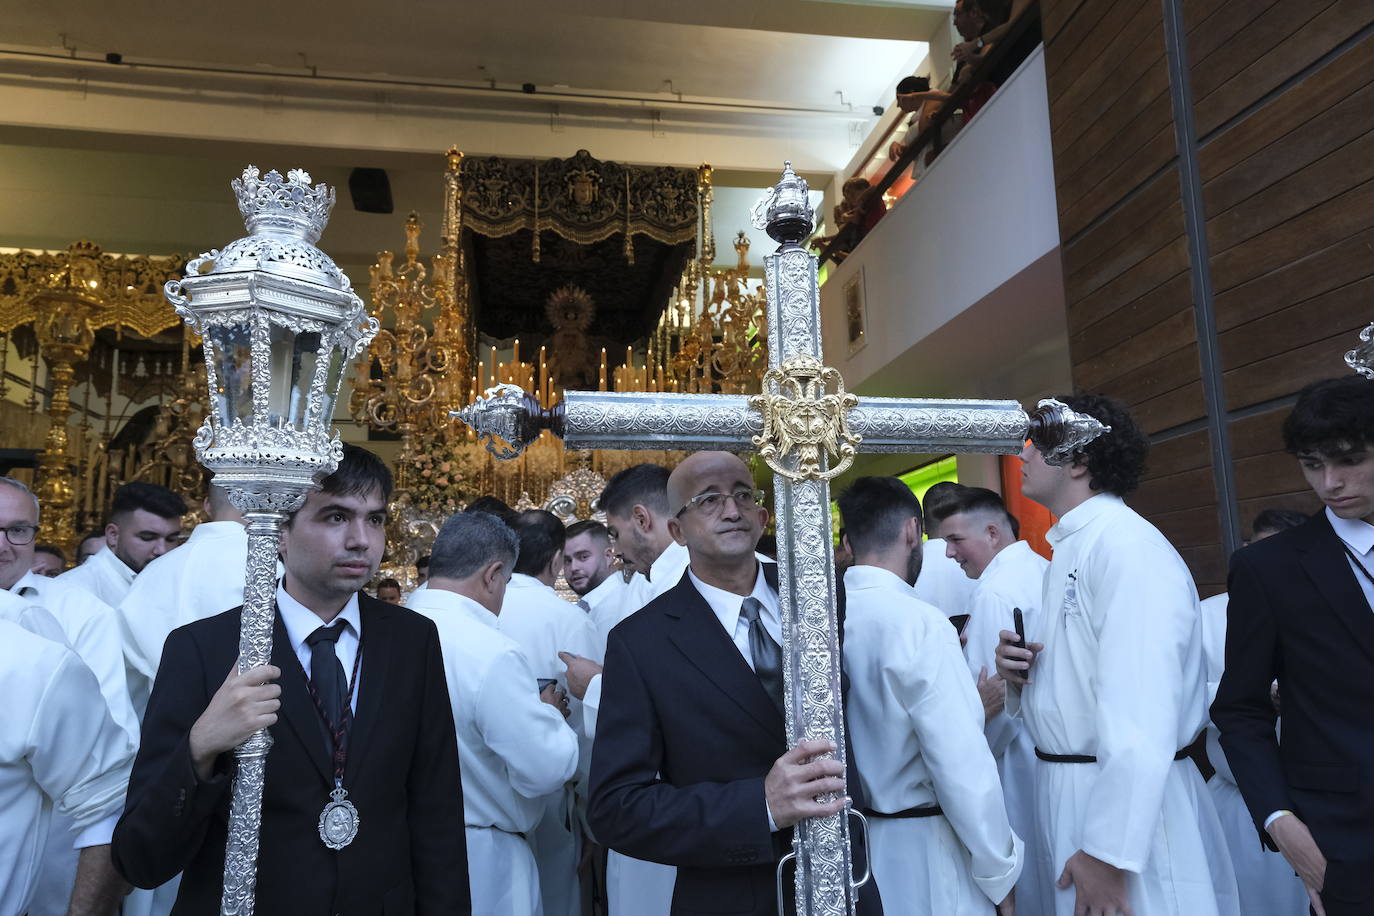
column 99, row 324
column 426, row 361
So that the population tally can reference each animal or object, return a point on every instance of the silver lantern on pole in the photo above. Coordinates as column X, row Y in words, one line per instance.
column 280, row 325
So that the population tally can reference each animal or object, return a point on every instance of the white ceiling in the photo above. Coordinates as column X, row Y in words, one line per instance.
column 796, row 51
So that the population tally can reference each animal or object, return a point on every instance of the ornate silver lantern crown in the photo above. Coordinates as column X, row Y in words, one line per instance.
column 284, row 217
column 281, row 324
column 272, row 205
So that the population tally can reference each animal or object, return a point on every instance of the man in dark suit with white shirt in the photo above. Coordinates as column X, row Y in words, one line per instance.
column 691, row 765
column 1301, row 612
column 360, row 689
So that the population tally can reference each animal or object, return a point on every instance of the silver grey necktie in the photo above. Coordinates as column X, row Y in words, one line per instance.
column 765, row 650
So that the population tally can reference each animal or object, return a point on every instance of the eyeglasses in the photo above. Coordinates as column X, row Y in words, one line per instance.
column 20, row 535
column 714, row 503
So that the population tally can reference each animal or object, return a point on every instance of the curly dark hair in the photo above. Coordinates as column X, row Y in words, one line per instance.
column 1115, row 460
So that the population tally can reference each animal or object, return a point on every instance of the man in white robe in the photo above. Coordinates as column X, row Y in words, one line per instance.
column 60, row 754
column 1113, row 689
column 942, row 582
column 980, row 535
column 1265, row 880
column 145, row 523
column 589, row 567
column 544, row 625
column 513, row 743
column 89, row 629
column 201, row 578
column 636, row 505
column 941, row 842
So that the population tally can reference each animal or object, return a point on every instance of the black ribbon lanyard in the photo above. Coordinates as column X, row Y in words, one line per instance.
column 338, row 735
column 1354, row 558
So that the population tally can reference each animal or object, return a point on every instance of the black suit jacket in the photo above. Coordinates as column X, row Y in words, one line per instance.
column 410, row 855
column 685, row 736
column 1297, row 613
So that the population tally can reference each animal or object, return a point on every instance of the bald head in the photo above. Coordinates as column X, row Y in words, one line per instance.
column 711, row 496
column 702, row 471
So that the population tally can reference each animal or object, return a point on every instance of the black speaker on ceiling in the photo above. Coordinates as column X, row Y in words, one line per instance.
column 371, row 190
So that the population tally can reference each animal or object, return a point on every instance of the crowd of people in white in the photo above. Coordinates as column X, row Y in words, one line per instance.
column 1071, row 736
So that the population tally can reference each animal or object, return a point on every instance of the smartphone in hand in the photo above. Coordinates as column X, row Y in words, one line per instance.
column 1019, row 622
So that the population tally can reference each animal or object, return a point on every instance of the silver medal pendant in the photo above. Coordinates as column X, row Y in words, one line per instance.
column 339, row 820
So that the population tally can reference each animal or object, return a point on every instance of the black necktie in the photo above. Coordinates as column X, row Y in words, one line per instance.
column 765, row 650
column 326, row 671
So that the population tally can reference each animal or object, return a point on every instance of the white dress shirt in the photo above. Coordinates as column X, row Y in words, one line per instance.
column 103, row 575
column 726, row 606
column 1358, row 535
column 300, row 622
column 60, row 753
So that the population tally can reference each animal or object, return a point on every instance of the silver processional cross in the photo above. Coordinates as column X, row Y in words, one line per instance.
column 808, row 430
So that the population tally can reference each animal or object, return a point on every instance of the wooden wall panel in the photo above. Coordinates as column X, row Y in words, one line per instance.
column 1282, row 141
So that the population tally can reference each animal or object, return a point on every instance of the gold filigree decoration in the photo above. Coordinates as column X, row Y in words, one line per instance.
column 805, row 418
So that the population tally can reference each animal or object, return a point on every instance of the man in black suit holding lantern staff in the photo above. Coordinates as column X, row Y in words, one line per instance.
column 358, row 708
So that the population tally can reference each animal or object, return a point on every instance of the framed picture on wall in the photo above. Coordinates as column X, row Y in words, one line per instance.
column 855, row 312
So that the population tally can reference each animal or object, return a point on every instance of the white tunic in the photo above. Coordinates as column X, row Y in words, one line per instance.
column 89, row 629
column 514, row 750
column 917, row 727
column 607, row 596
column 1122, row 678
column 1014, row 579
column 200, row 579
column 942, row 581
column 59, row 752
column 92, row 632
column 103, row 575
column 1267, row 884
column 32, row 617
column 543, row 625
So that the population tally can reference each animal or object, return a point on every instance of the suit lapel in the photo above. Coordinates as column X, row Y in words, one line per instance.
column 372, row 677
column 1325, row 562
column 296, row 706
column 699, row 636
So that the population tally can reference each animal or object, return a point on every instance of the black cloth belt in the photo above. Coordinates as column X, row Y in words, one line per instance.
column 1181, row 754
column 923, row 811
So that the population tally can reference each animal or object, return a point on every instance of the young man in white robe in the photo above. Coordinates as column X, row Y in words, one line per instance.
column 981, row 536
column 590, row 569
column 145, row 523
column 636, row 505
column 544, row 625
column 89, row 629
column 941, row 842
column 1113, row 690
column 201, row 578
column 60, row 755
column 1266, row 882
column 942, row 582
column 513, row 743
